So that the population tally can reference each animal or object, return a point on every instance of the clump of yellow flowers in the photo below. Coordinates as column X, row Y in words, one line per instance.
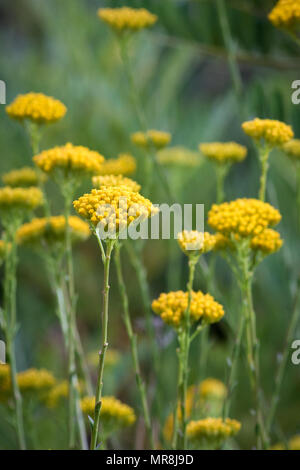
column 36, row 107
column 125, row 164
column 223, row 152
column 194, row 243
column 52, row 230
column 151, row 138
column 69, row 159
column 292, row 149
column 115, row 180
column 19, row 198
column 22, row 178
column 212, row 432
column 127, row 19
column 113, row 415
column 272, row 132
column 243, row 217
column 31, row 381
column 58, row 392
column 267, row 242
column 178, row 156
column 212, row 388
column 113, row 207
column 286, row 14
column 171, row 307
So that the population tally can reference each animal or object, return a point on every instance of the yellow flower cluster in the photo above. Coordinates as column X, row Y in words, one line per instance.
column 292, row 149
column 274, row 133
column 213, row 430
column 223, row 152
column 115, row 180
column 56, row 394
column 37, row 107
column 114, row 414
column 268, row 241
column 243, row 217
column 22, row 178
column 112, row 357
column 72, row 159
column 172, row 306
column 125, row 164
column 127, row 19
column 212, row 388
column 286, row 14
column 52, row 230
column 20, row 198
column 178, row 156
column 113, row 207
column 29, row 381
column 195, row 243
column 157, row 139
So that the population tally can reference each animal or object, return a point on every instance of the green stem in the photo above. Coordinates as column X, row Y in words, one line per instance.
column 264, row 153
column 95, row 431
column 10, row 326
column 179, row 385
column 133, row 344
column 221, row 173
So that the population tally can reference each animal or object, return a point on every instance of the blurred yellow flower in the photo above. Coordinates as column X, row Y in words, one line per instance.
column 212, row 388
column 125, row 164
column 172, row 306
column 127, row 19
column 115, row 180
column 286, row 14
column 292, row 149
column 58, row 392
column 20, row 198
column 157, row 139
column 194, row 243
column 22, row 178
column 243, row 217
column 223, row 152
column 268, row 241
column 52, row 230
column 69, row 160
column 178, row 156
column 37, row 107
column 273, row 133
column 294, row 442
column 212, row 432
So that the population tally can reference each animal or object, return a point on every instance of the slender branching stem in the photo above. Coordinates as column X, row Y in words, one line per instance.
column 264, row 153
column 133, row 344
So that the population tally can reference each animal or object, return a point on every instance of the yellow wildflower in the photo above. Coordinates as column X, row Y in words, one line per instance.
column 114, row 414
column 70, row 160
column 243, row 217
column 113, row 207
column 178, row 156
column 172, row 306
column 52, row 230
column 294, row 443
column 292, row 149
column 157, row 139
column 223, row 152
column 127, row 19
column 212, row 388
column 20, row 198
column 274, row 133
column 58, row 392
column 195, row 243
column 35, row 380
column 212, row 432
column 115, row 180
column 267, row 242
column 37, row 107
column 222, row 242
column 286, row 14
column 125, row 164
column 22, row 178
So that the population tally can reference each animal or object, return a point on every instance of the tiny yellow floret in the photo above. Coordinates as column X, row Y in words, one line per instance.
column 212, row 431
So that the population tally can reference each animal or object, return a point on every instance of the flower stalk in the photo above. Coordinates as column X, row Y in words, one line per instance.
column 264, row 153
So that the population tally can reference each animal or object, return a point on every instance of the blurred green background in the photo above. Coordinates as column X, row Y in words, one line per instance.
column 61, row 48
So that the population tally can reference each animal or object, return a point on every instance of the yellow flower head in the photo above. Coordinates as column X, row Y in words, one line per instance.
column 112, row 357
column 114, row 414
column 292, row 149
column 227, row 152
column 52, row 230
column 157, row 139
column 286, row 14
column 22, row 178
column 178, row 156
column 19, row 198
column 58, row 392
column 115, row 180
column 243, row 217
column 37, row 107
column 273, row 133
column 211, row 388
column 294, row 443
column 114, row 208
column 268, row 241
column 212, row 431
column 172, row 306
column 127, row 19
column 35, row 380
column 194, row 243
column 70, row 160
column 125, row 164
